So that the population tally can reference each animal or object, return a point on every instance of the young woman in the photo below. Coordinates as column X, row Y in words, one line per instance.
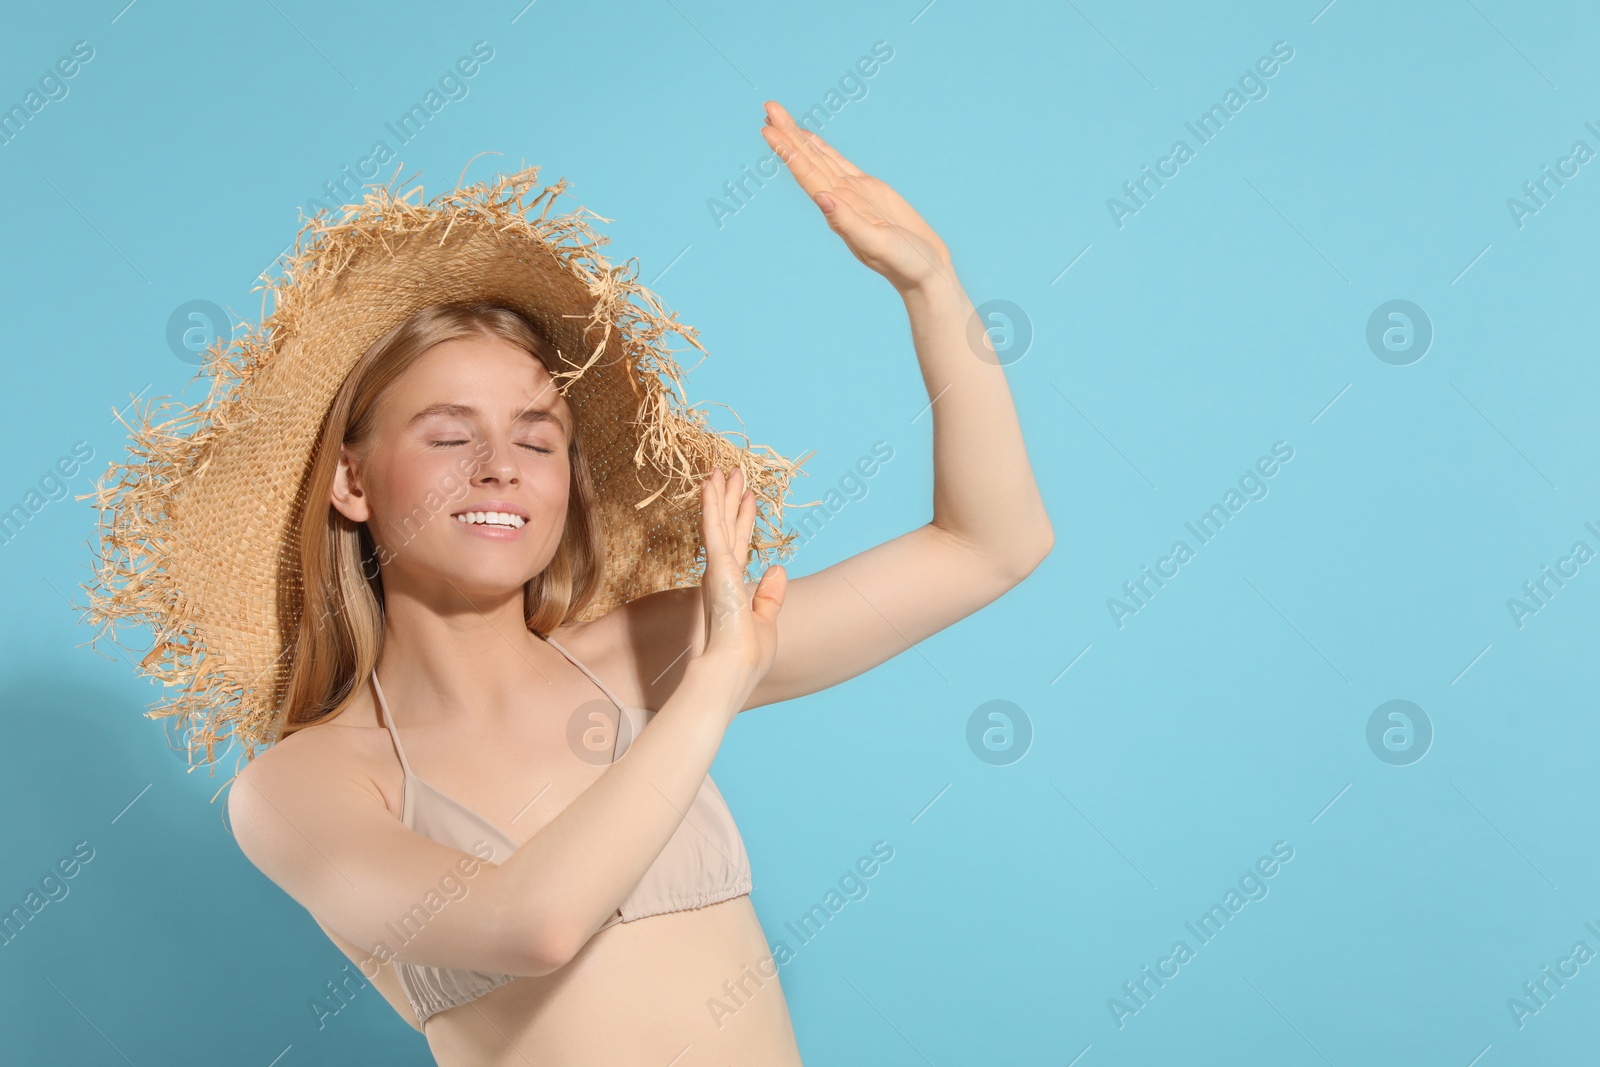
column 550, row 872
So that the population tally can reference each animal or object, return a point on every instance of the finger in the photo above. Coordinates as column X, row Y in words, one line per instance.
column 722, row 593
column 849, row 222
column 830, row 153
column 726, row 551
column 768, row 599
column 804, row 165
column 732, row 497
column 747, row 523
column 735, row 536
column 733, row 490
column 873, row 199
column 712, row 525
column 810, row 140
column 783, row 118
column 858, row 200
column 811, row 167
column 812, row 146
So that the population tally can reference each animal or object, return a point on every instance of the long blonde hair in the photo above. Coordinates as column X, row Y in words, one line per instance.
column 332, row 587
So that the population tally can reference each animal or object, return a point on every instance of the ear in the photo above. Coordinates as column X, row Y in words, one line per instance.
column 346, row 494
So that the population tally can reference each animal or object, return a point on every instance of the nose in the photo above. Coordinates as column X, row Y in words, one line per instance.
column 500, row 466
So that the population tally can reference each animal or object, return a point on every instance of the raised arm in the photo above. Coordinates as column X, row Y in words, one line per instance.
column 989, row 528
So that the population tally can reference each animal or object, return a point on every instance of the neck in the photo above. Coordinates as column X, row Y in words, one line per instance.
column 468, row 663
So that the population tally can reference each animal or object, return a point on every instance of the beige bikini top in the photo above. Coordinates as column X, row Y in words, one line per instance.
column 704, row 861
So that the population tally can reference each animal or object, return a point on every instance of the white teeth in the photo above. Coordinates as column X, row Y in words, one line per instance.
column 490, row 518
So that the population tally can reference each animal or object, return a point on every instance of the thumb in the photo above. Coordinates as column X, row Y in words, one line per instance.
column 865, row 240
column 768, row 599
column 841, row 217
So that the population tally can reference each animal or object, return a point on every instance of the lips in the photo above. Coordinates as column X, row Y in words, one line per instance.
column 504, row 506
column 503, row 520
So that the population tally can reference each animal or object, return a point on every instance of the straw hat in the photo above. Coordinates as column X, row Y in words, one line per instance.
column 196, row 528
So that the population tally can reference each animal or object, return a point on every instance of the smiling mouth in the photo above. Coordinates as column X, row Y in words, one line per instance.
column 500, row 519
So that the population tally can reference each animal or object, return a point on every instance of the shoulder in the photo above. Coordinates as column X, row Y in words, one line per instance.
column 641, row 648
column 345, row 751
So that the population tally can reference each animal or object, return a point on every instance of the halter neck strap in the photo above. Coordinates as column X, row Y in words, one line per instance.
column 388, row 722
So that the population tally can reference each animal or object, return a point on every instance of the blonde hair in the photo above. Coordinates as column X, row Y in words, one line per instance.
column 333, row 591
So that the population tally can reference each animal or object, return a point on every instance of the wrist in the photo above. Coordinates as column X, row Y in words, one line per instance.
column 939, row 290
column 717, row 681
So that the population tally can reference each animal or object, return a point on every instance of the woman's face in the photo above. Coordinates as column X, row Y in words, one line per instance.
column 475, row 424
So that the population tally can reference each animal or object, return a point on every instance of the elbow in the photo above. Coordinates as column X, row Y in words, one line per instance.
column 551, row 947
column 546, row 954
column 538, row 961
column 535, row 930
column 1028, row 562
column 1047, row 541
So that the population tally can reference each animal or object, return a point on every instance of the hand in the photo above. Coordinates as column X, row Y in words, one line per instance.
column 878, row 227
column 740, row 631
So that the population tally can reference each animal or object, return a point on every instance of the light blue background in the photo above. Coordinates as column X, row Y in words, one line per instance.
column 1229, row 313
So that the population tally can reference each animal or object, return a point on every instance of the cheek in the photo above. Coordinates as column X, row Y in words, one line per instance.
column 413, row 485
column 551, row 493
column 550, row 480
column 421, row 486
column 558, row 484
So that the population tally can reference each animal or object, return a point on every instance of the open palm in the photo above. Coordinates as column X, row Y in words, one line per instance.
column 741, row 629
column 876, row 223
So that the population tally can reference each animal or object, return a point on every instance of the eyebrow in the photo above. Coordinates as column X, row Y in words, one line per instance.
column 527, row 414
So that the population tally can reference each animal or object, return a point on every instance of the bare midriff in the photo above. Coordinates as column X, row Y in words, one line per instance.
column 686, row 988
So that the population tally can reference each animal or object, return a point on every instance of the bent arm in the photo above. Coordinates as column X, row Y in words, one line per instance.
column 328, row 840
column 988, row 532
column 577, row 870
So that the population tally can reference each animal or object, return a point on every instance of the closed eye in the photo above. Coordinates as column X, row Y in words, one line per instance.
column 536, row 448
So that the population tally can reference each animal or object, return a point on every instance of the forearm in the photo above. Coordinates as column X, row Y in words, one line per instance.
column 576, row 871
column 983, row 486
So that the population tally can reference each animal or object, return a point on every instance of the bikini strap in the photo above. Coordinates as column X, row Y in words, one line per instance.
column 388, row 722
column 592, row 676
